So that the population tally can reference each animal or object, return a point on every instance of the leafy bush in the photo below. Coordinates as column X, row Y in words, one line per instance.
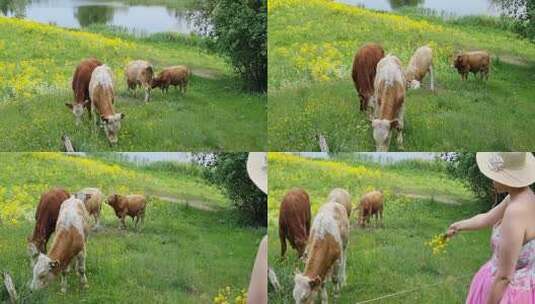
column 239, row 32
column 463, row 166
column 229, row 172
column 523, row 11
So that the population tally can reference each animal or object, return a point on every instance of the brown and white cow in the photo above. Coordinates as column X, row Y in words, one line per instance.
column 421, row 63
column 343, row 197
column 139, row 73
column 92, row 198
column 371, row 205
column 46, row 217
column 132, row 205
column 475, row 62
column 176, row 75
column 69, row 244
column 80, row 87
column 326, row 254
column 364, row 69
column 294, row 220
column 389, row 102
column 102, row 97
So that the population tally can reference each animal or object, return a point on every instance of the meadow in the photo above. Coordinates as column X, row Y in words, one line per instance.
column 183, row 254
column 420, row 203
column 37, row 62
column 311, row 47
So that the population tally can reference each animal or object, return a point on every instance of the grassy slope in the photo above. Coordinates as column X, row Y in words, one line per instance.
column 182, row 255
column 390, row 259
column 37, row 62
column 311, row 89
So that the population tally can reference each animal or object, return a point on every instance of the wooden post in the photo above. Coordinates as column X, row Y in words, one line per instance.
column 8, row 283
column 67, row 143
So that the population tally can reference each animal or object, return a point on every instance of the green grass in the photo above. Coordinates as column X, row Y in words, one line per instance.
column 182, row 255
column 389, row 259
column 311, row 49
column 38, row 62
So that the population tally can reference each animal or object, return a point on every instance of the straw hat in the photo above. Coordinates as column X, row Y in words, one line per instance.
column 257, row 169
column 513, row 169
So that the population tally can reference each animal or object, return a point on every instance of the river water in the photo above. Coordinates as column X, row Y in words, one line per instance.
column 80, row 13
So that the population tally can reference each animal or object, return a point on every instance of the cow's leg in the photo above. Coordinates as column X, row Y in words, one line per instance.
column 80, row 259
column 136, row 222
column 400, row 126
column 63, row 281
column 123, row 218
column 324, row 295
column 432, row 77
column 282, row 236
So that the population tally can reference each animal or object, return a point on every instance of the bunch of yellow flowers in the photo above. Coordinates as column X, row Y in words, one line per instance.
column 438, row 243
column 224, row 296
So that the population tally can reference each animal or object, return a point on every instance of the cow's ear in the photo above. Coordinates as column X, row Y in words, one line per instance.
column 315, row 282
column 394, row 124
column 53, row 265
column 122, row 115
column 69, row 105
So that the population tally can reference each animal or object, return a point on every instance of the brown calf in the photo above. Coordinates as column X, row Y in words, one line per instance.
column 132, row 205
column 364, row 69
column 371, row 205
column 177, row 76
column 294, row 220
column 475, row 62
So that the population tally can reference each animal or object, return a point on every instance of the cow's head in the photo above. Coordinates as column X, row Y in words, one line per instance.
column 44, row 272
column 112, row 200
column 305, row 288
column 381, row 133
column 413, row 84
column 300, row 246
column 460, row 62
column 112, row 125
column 155, row 82
column 77, row 109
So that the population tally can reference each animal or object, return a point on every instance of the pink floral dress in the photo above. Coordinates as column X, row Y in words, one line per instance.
column 521, row 289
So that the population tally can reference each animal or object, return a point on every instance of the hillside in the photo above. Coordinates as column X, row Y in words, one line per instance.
column 311, row 49
column 182, row 255
column 420, row 203
column 37, row 62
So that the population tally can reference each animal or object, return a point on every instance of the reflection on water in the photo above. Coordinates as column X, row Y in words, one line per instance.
column 455, row 7
column 92, row 14
column 82, row 13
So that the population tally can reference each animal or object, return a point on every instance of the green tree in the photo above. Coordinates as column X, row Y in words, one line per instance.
column 229, row 172
column 238, row 29
column 395, row 4
column 523, row 11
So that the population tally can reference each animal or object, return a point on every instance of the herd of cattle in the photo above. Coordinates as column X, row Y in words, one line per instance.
column 67, row 216
column 381, row 84
column 322, row 245
column 93, row 89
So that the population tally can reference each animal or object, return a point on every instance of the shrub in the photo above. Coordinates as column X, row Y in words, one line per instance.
column 239, row 32
column 463, row 166
column 229, row 172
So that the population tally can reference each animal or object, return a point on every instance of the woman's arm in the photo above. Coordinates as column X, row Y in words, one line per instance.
column 257, row 293
column 480, row 221
column 512, row 231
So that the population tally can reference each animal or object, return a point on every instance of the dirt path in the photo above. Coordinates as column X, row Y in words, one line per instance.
column 193, row 203
column 444, row 199
column 206, row 73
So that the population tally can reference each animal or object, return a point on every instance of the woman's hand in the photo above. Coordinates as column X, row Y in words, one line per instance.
column 453, row 229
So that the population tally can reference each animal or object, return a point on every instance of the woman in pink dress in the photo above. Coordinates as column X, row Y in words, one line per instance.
column 509, row 276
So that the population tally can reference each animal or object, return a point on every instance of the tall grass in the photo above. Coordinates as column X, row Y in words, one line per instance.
column 311, row 49
column 181, row 255
column 393, row 258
